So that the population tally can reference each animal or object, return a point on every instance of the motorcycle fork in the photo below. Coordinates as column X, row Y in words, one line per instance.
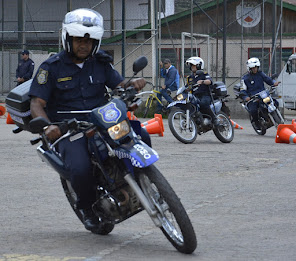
column 143, row 199
column 187, row 120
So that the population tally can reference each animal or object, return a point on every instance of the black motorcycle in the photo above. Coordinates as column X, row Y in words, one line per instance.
column 268, row 112
column 127, row 181
column 186, row 120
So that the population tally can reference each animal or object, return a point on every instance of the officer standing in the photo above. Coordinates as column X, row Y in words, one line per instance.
column 25, row 68
column 75, row 80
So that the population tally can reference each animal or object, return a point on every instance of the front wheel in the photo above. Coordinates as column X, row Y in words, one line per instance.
column 105, row 228
column 224, row 131
column 178, row 125
column 175, row 223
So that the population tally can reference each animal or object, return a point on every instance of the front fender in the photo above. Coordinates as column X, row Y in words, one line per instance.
column 139, row 154
column 177, row 103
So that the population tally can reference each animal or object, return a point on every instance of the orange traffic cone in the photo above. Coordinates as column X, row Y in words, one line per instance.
column 156, row 116
column 235, row 125
column 9, row 120
column 2, row 110
column 294, row 125
column 285, row 134
column 131, row 116
column 154, row 127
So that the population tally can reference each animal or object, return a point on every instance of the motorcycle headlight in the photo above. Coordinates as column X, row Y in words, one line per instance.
column 119, row 130
column 266, row 100
column 180, row 97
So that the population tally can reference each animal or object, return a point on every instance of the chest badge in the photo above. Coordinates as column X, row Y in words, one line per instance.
column 42, row 76
column 110, row 113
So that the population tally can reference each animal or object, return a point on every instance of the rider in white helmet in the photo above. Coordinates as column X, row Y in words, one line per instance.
column 199, row 76
column 75, row 80
column 252, row 83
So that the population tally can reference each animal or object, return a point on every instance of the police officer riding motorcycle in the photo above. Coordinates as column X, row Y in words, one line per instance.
column 105, row 161
column 253, row 93
column 199, row 107
column 203, row 80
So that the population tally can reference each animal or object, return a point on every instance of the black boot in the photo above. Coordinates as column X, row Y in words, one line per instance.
column 89, row 219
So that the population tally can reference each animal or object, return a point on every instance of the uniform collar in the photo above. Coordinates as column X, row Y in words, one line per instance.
column 68, row 59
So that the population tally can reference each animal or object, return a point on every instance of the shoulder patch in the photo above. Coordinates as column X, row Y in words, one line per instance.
column 42, row 76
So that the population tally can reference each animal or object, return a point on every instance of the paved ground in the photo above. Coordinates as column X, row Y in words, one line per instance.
column 239, row 196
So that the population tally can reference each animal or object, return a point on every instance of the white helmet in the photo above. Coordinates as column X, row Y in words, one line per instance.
column 253, row 62
column 79, row 23
column 195, row 60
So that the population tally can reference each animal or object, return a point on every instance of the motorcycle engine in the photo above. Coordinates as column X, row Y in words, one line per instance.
column 116, row 206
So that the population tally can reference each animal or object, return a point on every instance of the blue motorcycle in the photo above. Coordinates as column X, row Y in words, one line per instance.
column 123, row 164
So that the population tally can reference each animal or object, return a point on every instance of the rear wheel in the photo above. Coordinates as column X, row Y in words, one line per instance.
column 105, row 228
column 224, row 132
column 178, row 126
column 175, row 223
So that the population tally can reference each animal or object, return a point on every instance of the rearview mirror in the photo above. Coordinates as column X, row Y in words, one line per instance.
column 140, row 64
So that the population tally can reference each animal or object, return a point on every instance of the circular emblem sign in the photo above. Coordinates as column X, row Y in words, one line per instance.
column 250, row 14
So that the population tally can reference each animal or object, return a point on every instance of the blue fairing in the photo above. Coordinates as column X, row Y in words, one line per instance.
column 110, row 114
column 139, row 154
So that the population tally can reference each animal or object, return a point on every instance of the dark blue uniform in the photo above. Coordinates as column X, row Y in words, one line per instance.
column 203, row 92
column 65, row 86
column 25, row 69
column 252, row 84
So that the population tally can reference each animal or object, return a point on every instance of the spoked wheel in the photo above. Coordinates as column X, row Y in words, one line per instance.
column 175, row 223
column 260, row 130
column 104, row 229
column 178, row 126
column 224, row 132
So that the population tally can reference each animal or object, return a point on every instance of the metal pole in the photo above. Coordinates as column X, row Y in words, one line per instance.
column 158, row 58
column 112, row 17
column 2, row 55
column 182, row 52
column 263, row 30
column 191, row 28
column 123, row 40
column 242, row 36
column 281, row 27
column 69, row 5
column 154, row 65
column 217, row 39
column 21, row 24
column 224, row 41
column 273, row 35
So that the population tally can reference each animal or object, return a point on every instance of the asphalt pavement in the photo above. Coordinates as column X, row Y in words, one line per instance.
column 239, row 196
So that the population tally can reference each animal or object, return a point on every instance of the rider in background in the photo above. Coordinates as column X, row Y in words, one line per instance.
column 252, row 83
column 75, row 80
column 171, row 82
column 204, row 80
